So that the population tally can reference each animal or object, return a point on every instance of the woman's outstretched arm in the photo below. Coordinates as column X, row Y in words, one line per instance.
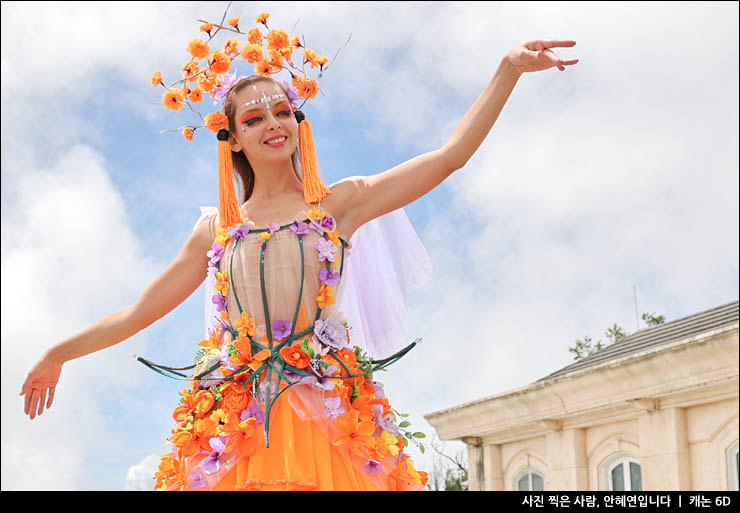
column 169, row 289
column 368, row 197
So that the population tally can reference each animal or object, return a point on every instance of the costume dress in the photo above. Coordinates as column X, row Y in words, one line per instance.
column 325, row 433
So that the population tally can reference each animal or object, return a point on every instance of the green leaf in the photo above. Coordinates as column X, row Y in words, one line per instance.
column 199, row 355
column 189, row 426
column 421, row 448
column 404, row 415
column 419, row 434
column 405, row 442
column 405, row 423
column 305, row 348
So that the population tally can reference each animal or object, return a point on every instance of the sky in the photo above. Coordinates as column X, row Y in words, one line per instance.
column 618, row 174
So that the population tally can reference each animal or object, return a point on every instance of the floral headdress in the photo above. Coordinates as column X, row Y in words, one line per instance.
column 207, row 72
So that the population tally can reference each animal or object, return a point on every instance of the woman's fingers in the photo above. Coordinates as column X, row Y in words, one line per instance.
column 51, row 397
column 34, row 403
column 42, row 401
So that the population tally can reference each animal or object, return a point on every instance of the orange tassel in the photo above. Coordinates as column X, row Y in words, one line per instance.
column 228, row 208
column 314, row 189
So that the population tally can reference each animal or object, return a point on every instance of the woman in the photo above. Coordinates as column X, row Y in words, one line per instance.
column 311, row 447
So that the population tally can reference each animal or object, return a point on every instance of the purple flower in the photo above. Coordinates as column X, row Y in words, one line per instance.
column 293, row 376
column 326, row 250
column 273, row 227
column 212, row 463
column 386, row 422
column 281, row 329
column 240, row 230
column 292, row 95
column 331, row 278
column 197, row 480
column 373, row 467
column 299, row 227
column 212, row 268
column 333, row 408
column 226, row 83
column 379, row 390
column 219, row 301
column 252, row 411
column 319, row 381
column 215, row 253
column 330, row 332
column 327, row 223
column 316, row 226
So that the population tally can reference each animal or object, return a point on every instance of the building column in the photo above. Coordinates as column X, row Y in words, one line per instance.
column 664, row 450
column 566, row 457
column 476, row 471
column 493, row 470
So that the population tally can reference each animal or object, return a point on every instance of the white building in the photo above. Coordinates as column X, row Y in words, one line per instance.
column 656, row 411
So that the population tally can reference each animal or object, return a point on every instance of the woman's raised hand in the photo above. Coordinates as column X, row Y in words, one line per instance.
column 42, row 378
column 536, row 55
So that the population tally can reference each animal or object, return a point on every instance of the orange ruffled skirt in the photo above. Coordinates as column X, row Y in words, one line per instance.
column 301, row 456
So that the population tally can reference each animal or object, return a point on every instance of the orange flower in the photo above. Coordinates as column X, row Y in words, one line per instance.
column 305, row 87
column 196, row 95
column 277, row 39
column 187, row 442
column 334, row 238
column 185, row 90
column 294, row 355
column 222, row 279
column 207, row 82
column 198, row 48
column 204, row 401
column 276, row 59
column 186, row 408
column 245, row 352
column 321, row 60
column 314, row 213
column 245, row 325
column 254, row 35
column 187, row 133
column 262, row 18
column 230, row 48
column 216, row 121
column 190, row 69
column 296, row 42
column 325, row 296
column 287, row 53
column 354, row 432
column 236, row 397
column 206, row 27
column 405, row 476
column 234, row 22
column 173, row 99
column 309, row 56
column 262, row 68
column 252, row 53
column 156, row 78
column 239, row 433
column 219, row 62
column 205, row 428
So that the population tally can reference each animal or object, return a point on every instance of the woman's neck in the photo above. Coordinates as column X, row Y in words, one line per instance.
column 272, row 182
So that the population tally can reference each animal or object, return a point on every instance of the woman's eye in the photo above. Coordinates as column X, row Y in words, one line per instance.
column 251, row 121
column 284, row 113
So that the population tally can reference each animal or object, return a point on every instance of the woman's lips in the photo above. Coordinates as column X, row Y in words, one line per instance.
column 270, row 142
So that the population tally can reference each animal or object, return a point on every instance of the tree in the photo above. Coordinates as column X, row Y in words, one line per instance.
column 615, row 334
column 449, row 473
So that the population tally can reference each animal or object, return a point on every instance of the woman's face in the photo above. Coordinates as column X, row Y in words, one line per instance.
column 260, row 127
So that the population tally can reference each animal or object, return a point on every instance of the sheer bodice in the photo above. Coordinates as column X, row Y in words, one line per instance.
column 290, row 274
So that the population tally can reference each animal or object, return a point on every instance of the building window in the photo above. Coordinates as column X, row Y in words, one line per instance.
column 530, row 480
column 625, row 474
column 733, row 465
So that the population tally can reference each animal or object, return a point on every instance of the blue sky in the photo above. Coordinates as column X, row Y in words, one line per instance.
column 621, row 170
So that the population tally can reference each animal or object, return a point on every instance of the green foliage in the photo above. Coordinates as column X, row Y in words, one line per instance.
column 586, row 346
column 199, row 355
column 652, row 319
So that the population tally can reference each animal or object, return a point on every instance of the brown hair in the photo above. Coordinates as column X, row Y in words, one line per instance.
column 242, row 168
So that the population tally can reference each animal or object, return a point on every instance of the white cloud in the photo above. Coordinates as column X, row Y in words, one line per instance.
column 140, row 477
